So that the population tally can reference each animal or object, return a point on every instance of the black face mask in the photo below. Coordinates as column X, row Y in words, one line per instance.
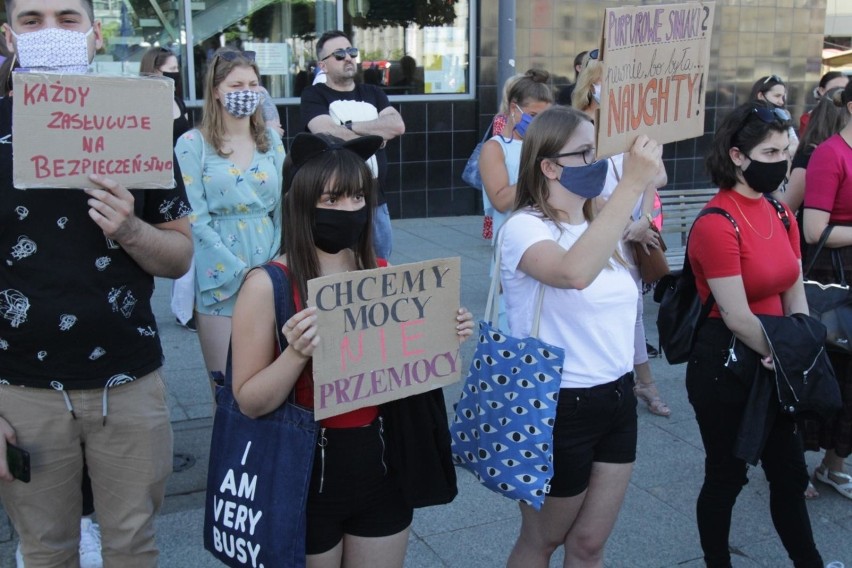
column 765, row 177
column 178, row 82
column 335, row 229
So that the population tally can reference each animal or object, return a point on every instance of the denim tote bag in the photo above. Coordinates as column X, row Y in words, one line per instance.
column 503, row 426
column 259, row 471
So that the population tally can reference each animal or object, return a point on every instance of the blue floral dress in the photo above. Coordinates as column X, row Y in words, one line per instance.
column 236, row 216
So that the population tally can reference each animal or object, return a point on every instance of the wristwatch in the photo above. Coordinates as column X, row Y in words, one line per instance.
column 348, row 124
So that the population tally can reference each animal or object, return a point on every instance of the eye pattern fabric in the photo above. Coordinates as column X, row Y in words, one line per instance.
column 503, row 426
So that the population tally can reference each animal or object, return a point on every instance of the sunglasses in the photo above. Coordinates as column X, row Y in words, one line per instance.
column 233, row 55
column 767, row 115
column 774, row 78
column 594, row 54
column 340, row 54
column 588, row 156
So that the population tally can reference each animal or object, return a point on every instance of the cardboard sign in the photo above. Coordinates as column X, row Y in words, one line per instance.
column 385, row 334
column 65, row 127
column 655, row 66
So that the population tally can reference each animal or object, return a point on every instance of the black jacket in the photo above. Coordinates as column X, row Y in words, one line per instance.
column 803, row 381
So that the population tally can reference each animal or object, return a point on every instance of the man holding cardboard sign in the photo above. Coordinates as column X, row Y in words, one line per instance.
column 77, row 330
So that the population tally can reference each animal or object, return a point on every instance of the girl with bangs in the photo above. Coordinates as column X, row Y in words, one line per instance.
column 589, row 309
column 231, row 169
column 358, row 510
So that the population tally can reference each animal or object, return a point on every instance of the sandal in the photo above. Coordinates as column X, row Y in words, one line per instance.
column 649, row 395
column 843, row 486
column 810, row 491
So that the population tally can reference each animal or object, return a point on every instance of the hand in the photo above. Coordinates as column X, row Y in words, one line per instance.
column 465, row 324
column 112, row 209
column 7, row 434
column 644, row 162
column 640, row 232
column 301, row 332
column 276, row 126
column 768, row 362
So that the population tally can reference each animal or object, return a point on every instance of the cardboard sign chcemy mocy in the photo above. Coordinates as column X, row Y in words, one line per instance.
column 65, row 127
column 656, row 60
column 385, row 334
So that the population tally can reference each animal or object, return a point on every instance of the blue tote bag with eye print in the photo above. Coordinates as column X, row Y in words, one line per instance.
column 503, row 426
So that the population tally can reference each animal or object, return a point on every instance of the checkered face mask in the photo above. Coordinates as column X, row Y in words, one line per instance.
column 55, row 49
column 241, row 104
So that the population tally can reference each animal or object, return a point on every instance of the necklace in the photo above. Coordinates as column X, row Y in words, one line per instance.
column 771, row 224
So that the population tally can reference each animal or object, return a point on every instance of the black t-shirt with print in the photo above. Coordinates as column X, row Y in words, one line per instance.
column 317, row 99
column 75, row 309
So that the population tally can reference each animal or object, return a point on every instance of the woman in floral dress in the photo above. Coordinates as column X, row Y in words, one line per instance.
column 231, row 168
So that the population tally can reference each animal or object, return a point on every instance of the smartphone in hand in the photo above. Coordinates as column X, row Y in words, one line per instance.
column 18, row 461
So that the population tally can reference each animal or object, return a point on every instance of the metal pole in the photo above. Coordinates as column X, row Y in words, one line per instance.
column 506, row 45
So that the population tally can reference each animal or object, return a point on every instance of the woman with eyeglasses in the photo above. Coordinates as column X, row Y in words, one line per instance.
column 828, row 203
column 772, row 90
column 752, row 269
column 646, row 216
column 232, row 171
column 554, row 240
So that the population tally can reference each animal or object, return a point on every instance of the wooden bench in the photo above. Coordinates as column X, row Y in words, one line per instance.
column 680, row 207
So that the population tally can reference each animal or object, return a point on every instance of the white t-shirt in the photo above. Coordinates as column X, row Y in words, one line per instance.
column 595, row 326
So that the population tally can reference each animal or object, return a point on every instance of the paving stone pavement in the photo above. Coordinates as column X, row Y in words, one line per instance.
column 656, row 527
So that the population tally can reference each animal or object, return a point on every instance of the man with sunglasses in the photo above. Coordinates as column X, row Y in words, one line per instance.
column 79, row 348
column 346, row 109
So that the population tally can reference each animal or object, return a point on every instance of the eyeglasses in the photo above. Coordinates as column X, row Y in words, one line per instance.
column 588, row 156
column 233, row 55
column 340, row 54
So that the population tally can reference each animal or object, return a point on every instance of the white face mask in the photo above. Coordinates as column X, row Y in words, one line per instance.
column 597, row 94
column 54, row 49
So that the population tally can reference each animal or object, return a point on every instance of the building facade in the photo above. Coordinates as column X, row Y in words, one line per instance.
column 437, row 60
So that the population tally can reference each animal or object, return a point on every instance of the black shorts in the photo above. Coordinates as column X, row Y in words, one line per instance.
column 596, row 424
column 353, row 492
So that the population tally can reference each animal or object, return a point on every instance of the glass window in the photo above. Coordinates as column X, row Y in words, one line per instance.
column 409, row 47
column 412, row 47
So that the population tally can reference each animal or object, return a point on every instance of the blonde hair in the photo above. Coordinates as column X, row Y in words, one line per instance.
column 213, row 124
column 583, row 96
column 534, row 85
column 507, row 86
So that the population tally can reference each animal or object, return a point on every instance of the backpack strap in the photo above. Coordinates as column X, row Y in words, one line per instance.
column 687, row 267
column 781, row 210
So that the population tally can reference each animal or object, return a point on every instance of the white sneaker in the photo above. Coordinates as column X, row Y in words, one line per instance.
column 19, row 558
column 90, row 544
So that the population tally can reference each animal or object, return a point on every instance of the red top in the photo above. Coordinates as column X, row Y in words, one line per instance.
column 768, row 266
column 828, row 180
column 305, row 384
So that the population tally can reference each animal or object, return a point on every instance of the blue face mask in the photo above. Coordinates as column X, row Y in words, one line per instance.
column 585, row 181
column 522, row 126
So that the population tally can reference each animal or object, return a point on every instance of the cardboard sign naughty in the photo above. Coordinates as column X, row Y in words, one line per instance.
column 65, row 127
column 385, row 334
column 655, row 69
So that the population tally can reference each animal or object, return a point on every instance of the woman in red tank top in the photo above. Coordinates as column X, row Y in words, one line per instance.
column 357, row 513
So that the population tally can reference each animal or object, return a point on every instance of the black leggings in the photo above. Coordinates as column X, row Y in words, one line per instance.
column 719, row 399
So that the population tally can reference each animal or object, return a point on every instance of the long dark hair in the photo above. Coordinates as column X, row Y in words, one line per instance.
column 743, row 128
column 342, row 173
column 827, row 118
